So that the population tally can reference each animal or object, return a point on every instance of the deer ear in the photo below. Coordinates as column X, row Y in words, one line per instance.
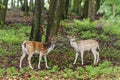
column 73, row 36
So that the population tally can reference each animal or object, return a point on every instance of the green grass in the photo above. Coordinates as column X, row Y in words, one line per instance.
column 12, row 37
column 89, row 72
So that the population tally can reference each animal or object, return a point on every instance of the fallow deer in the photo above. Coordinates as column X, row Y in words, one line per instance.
column 85, row 45
column 31, row 47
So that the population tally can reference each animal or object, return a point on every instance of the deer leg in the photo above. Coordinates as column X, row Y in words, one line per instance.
column 21, row 59
column 40, row 58
column 97, row 55
column 76, row 56
column 46, row 62
column 29, row 61
column 94, row 53
column 82, row 57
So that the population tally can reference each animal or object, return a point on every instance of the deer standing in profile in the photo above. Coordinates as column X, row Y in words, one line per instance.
column 85, row 45
column 31, row 47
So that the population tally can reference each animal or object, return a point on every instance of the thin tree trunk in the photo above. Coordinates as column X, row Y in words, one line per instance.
column 65, row 9
column 18, row 3
column 0, row 3
column 21, row 2
column 31, row 5
column 42, row 7
column 12, row 2
column 85, row 11
column 26, row 7
column 98, row 4
column 3, row 11
column 76, row 6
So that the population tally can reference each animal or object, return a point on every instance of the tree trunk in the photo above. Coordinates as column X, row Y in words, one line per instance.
column 91, row 10
column 18, row 3
column 3, row 11
column 42, row 7
column 1, row 4
column 76, row 6
column 97, row 5
column 51, row 15
column 85, row 11
column 31, row 5
column 65, row 9
column 54, row 17
column 36, row 30
column 21, row 2
column 12, row 3
column 26, row 7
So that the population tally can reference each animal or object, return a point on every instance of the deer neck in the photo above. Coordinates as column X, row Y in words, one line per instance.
column 73, row 44
column 51, row 47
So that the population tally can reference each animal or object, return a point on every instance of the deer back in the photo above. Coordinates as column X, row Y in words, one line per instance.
column 87, row 44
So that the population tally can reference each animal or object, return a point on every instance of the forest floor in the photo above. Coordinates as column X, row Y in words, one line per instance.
column 61, row 61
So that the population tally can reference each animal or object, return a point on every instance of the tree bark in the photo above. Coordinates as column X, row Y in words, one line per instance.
column 36, row 33
column 21, row 2
column 98, row 4
column 1, row 4
column 85, row 11
column 31, row 5
column 54, row 17
column 77, row 6
column 91, row 10
column 65, row 9
column 51, row 15
column 26, row 7
column 3, row 11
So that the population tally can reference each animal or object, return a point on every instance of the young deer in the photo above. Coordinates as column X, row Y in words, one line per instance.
column 85, row 45
column 31, row 47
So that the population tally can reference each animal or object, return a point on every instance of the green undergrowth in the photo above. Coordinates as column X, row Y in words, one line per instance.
column 100, row 30
column 104, row 71
column 11, row 38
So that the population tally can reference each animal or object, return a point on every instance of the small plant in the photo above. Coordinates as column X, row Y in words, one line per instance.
column 88, row 34
column 54, row 69
column 80, row 70
column 103, row 37
column 2, row 72
column 94, row 72
column 42, row 73
column 35, row 78
column 105, row 64
column 69, row 73
column 22, row 71
column 12, row 72
column 117, row 44
column 107, row 71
